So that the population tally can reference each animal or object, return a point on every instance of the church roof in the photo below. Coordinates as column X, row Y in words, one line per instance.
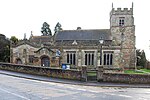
column 40, row 39
column 84, row 34
column 22, row 42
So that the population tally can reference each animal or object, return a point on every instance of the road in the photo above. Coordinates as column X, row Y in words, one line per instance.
column 15, row 88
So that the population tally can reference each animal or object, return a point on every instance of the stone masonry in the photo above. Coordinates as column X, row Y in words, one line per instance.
column 127, row 42
column 82, row 47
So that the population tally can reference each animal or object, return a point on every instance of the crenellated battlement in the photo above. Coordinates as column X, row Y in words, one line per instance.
column 120, row 11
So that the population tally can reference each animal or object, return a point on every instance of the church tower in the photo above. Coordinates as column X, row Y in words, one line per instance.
column 123, row 32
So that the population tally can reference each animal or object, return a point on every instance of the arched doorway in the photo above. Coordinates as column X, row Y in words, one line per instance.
column 45, row 61
column 18, row 61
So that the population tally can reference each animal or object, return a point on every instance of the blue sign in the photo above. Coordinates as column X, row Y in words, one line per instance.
column 64, row 66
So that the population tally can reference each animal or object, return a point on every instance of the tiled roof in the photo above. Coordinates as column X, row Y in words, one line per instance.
column 44, row 47
column 40, row 39
column 84, row 34
column 22, row 42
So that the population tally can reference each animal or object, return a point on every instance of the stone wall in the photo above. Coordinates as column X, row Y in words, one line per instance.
column 44, row 71
column 116, row 75
column 81, row 74
column 126, row 78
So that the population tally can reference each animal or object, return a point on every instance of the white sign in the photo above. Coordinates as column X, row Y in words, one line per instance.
column 58, row 53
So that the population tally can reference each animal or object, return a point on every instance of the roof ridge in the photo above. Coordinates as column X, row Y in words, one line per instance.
column 41, row 36
column 92, row 34
column 84, row 30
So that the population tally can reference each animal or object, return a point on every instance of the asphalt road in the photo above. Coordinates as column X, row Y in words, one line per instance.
column 15, row 88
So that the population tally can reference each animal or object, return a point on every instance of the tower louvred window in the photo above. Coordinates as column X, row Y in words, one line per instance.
column 121, row 21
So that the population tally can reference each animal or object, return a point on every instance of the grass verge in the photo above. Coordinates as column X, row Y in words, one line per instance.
column 141, row 71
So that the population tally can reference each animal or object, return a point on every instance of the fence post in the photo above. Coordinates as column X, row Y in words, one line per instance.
column 100, row 71
column 84, row 73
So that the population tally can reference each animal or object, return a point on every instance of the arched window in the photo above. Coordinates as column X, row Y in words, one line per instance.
column 45, row 61
column 31, row 58
column 24, row 52
column 18, row 61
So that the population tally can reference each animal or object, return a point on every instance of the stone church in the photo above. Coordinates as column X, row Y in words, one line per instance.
column 112, row 48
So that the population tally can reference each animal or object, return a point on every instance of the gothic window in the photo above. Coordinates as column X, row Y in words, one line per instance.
column 89, row 58
column 45, row 61
column 18, row 61
column 108, row 58
column 31, row 58
column 24, row 52
column 121, row 21
column 71, row 58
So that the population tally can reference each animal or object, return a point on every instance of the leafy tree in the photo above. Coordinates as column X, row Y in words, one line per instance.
column 58, row 27
column 45, row 29
column 14, row 40
column 141, row 58
column 4, row 49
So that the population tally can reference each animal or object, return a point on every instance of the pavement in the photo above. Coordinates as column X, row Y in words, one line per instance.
column 74, row 82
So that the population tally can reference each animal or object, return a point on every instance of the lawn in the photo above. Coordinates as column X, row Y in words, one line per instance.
column 91, row 73
column 146, row 70
column 141, row 71
column 132, row 72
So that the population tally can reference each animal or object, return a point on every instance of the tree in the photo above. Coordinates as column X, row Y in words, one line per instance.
column 14, row 40
column 46, row 30
column 4, row 49
column 58, row 27
column 141, row 58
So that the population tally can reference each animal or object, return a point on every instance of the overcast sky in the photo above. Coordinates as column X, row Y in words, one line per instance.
column 23, row 16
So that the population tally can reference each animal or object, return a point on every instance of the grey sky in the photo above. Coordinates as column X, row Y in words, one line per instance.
column 23, row 16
